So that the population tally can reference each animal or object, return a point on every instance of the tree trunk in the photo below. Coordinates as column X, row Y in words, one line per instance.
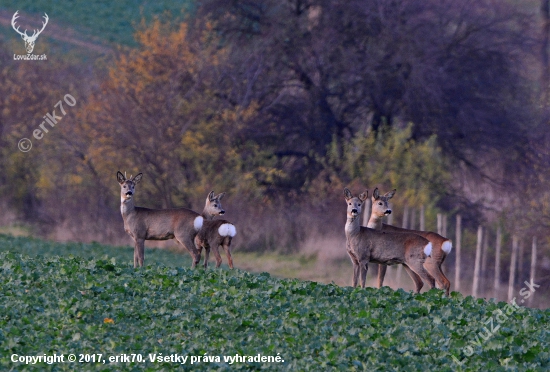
column 422, row 218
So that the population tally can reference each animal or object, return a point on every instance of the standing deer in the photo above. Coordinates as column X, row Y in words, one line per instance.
column 366, row 245
column 29, row 40
column 441, row 245
column 156, row 224
column 215, row 233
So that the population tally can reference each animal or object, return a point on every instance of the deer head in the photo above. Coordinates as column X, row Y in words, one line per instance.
column 380, row 206
column 213, row 206
column 29, row 40
column 127, row 186
column 355, row 203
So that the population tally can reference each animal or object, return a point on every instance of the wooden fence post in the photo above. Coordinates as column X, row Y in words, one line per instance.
column 412, row 224
column 366, row 212
column 405, row 225
column 475, row 283
column 520, row 261
column 484, row 254
column 422, row 218
column 498, row 246
column 533, row 266
column 440, row 224
column 512, row 278
column 458, row 246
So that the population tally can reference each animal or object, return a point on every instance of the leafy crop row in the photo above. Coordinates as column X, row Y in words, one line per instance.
column 90, row 306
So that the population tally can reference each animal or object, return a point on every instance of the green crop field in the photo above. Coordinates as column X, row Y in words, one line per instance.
column 90, row 302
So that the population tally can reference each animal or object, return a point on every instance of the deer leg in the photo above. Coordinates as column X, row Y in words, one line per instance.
column 355, row 276
column 434, row 270
column 189, row 244
column 355, row 263
column 364, row 268
column 446, row 281
column 227, row 248
column 381, row 274
column 206, row 254
column 217, row 254
column 139, row 252
column 418, row 284
column 418, row 268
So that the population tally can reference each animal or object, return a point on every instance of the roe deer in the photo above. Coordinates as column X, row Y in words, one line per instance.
column 215, row 233
column 156, row 224
column 441, row 246
column 366, row 245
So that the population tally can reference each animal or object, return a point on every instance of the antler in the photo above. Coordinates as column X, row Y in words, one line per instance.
column 45, row 16
column 35, row 32
column 15, row 16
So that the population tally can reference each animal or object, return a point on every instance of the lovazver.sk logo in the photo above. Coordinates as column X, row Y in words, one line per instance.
column 29, row 40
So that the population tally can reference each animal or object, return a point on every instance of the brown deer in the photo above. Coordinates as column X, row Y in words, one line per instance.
column 156, row 224
column 366, row 245
column 441, row 246
column 215, row 233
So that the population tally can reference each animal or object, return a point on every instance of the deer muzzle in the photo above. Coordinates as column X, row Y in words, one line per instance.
column 387, row 212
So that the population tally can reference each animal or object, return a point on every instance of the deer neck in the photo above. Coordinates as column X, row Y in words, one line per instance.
column 207, row 216
column 352, row 225
column 127, row 206
column 375, row 222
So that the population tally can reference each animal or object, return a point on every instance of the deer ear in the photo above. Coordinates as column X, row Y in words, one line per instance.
column 347, row 194
column 364, row 195
column 137, row 178
column 390, row 194
column 376, row 194
column 220, row 196
column 120, row 177
column 211, row 196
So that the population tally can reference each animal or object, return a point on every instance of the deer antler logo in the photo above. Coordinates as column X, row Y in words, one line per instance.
column 29, row 40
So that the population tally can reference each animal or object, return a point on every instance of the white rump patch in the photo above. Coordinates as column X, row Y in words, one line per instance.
column 428, row 249
column 227, row 229
column 198, row 222
column 447, row 246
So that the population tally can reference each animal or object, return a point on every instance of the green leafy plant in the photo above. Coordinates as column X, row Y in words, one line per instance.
column 102, row 305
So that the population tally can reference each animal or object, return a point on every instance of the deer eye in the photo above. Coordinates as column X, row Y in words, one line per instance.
column 380, row 203
column 359, row 204
column 124, row 186
column 215, row 205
